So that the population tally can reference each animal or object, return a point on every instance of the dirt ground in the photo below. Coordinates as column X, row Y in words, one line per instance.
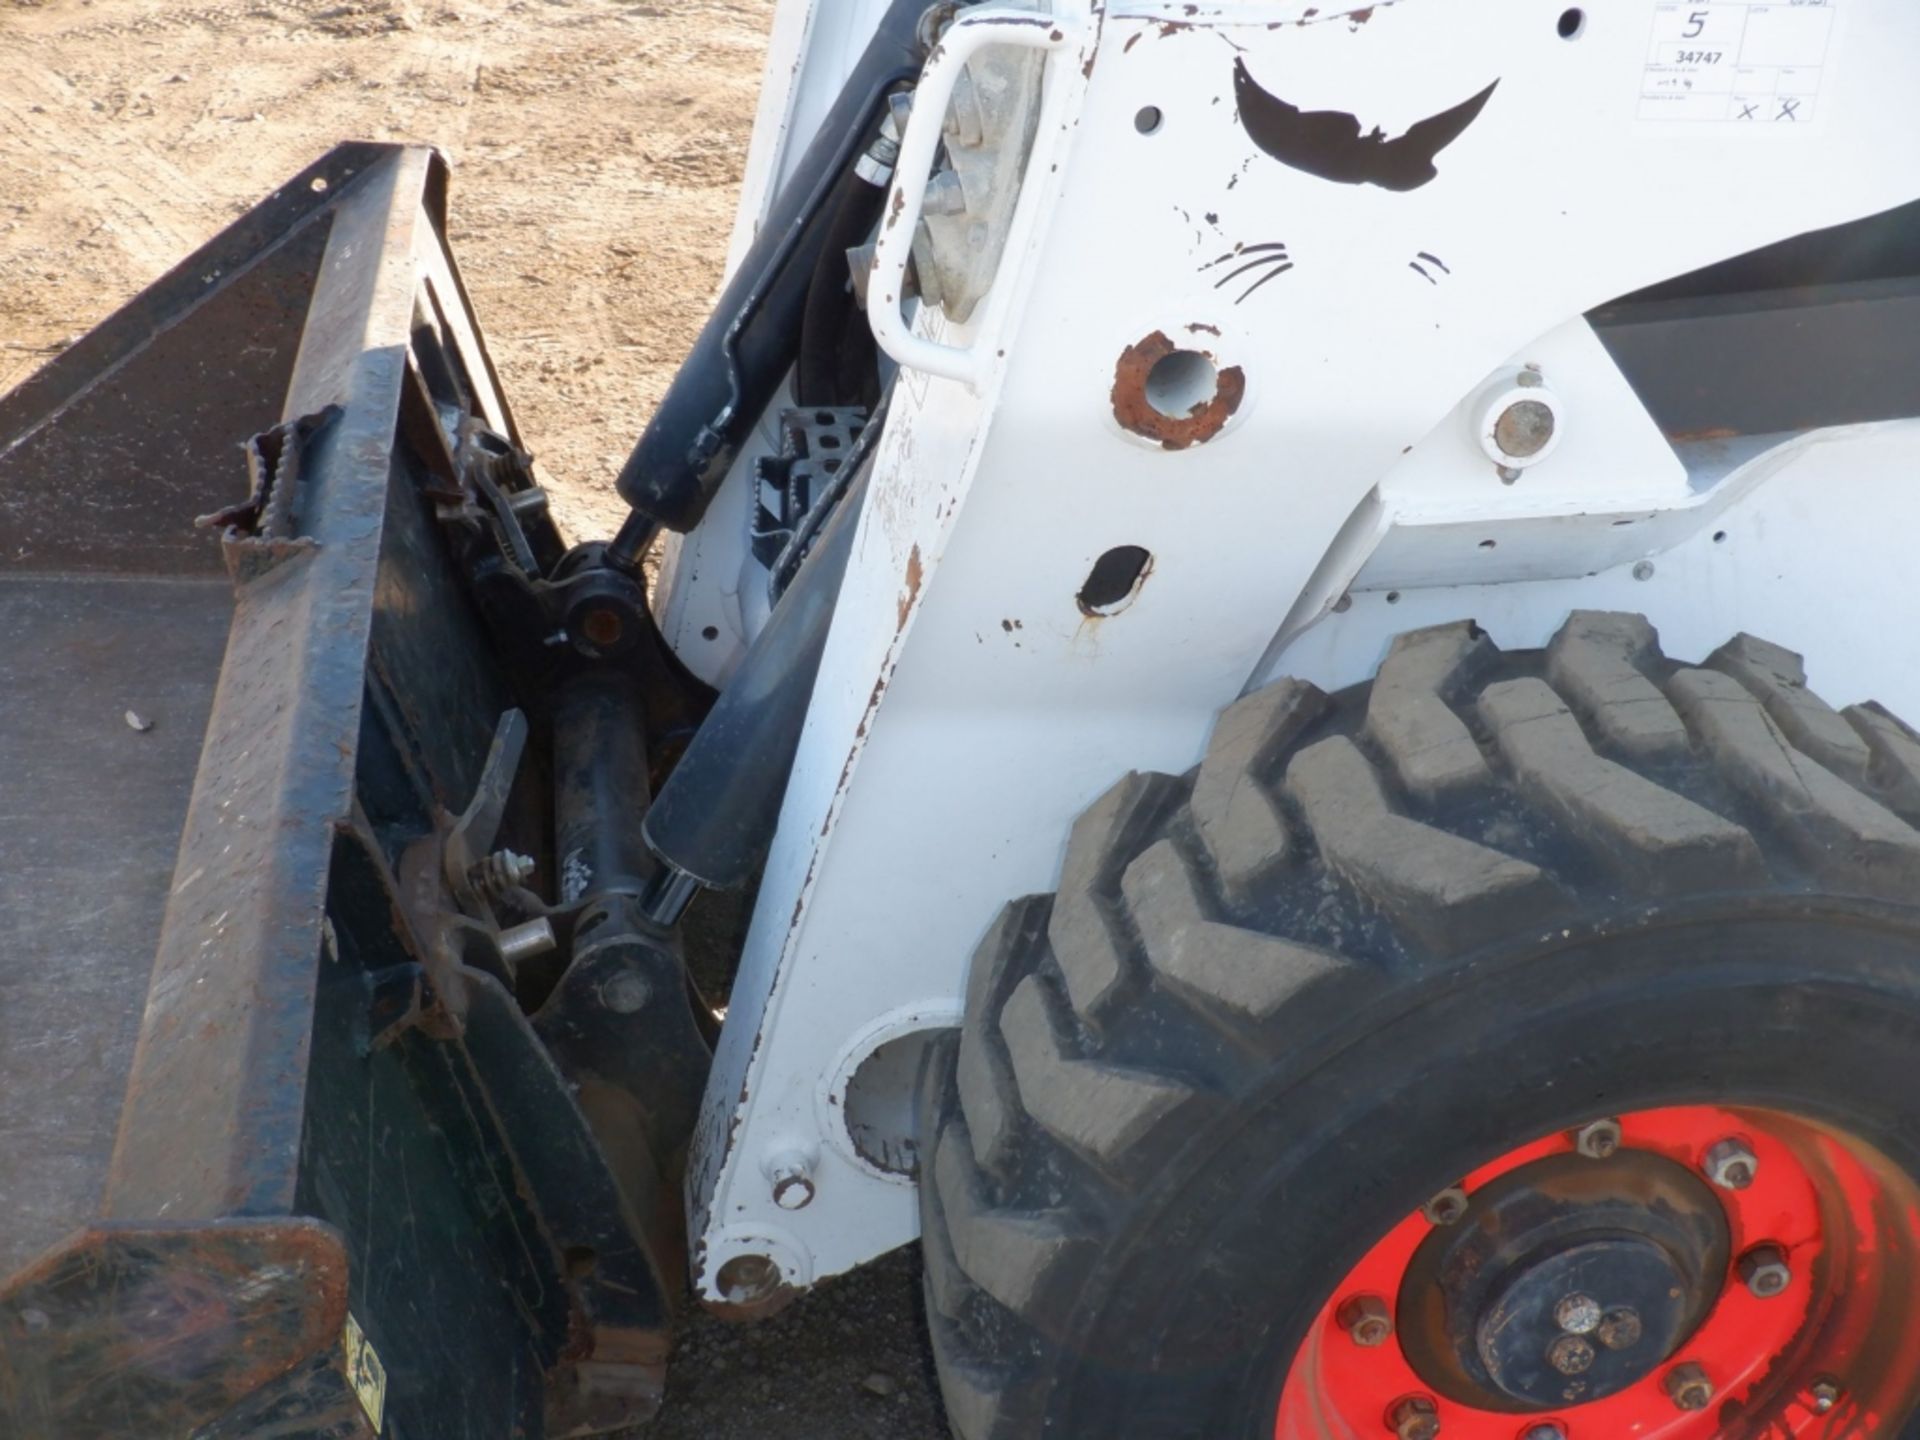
column 597, row 148
column 596, row 145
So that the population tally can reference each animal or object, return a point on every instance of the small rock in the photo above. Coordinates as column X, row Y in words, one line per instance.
column 880, row 1383
column 137, row 722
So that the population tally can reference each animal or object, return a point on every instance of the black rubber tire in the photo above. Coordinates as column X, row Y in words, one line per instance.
column 1371, row 942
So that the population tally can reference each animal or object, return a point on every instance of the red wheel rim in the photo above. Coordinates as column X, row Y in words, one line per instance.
column 1835, row 1353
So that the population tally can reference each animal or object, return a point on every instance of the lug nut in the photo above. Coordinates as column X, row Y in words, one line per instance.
column 1415, row 1418
column 1449, row 1207
column 1598, row 1141
column 1824, row 1394
column 1620, row 1329
column 1366, row 1320
column 1578, row 1314
column 1689, row 1388
column 1571, row 1355
column 1764, row 1269
column 1731, row 1164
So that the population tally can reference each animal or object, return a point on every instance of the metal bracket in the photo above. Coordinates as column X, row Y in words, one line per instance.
column 260, row 533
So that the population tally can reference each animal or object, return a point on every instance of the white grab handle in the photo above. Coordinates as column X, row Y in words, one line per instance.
column 974, row 30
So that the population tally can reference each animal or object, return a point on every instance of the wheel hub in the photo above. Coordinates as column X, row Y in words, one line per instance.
column 1642, row 1288
column 1569, row 1280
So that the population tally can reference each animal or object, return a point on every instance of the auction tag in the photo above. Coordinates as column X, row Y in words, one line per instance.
column 1743, row 62
column 365, row 1372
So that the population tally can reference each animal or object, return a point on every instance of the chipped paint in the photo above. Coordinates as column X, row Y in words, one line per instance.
column 912, row 592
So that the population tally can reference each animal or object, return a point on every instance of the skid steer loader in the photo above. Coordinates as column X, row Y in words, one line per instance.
column 1211, row 566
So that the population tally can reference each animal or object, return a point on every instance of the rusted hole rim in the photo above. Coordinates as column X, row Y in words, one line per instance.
column 1136, row 388
column 1837, row 1351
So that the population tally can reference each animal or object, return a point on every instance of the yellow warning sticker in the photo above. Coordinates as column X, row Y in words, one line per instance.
column 367, row 1374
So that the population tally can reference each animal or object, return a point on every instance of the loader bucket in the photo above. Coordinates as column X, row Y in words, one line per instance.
column 260, row 1174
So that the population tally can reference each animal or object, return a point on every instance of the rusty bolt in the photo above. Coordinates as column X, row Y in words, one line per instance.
column 1689, row 1388
column 1449, row 1207
column 1731, row 1164
column 1598, row 1141
column 1366, row 1319
column 1766, row 1273
column 1524, row 428
column 1415, row 1418
column 1824, row 1394
column 1571, row 1355
column 1620, row 1329
column 1578, row 1314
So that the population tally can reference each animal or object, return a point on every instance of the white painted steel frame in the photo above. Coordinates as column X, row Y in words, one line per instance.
column 967, row 708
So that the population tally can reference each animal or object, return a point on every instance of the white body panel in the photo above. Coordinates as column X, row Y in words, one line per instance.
column 967, row 709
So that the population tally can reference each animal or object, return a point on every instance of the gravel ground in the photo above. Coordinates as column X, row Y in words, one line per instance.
column 850, row 1359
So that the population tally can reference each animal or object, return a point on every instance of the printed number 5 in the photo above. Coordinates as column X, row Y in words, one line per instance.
column 1696, row 22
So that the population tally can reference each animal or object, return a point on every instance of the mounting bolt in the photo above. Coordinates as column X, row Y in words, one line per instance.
column 1449, row 1207
column 1598, row 1141
column 1689, row 1388
column 1551, row 1430
column 500, row 872
column 791, row 1174
column 1578, row 1314
column 1731, row 1164
column 1571, row 1355
column 1366, row 1319
column 1824, row 1394
column 1415, row 1418
column 1620, row 1329
column 1766, row 1273
column 1643, row 571
column 1516, row 421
